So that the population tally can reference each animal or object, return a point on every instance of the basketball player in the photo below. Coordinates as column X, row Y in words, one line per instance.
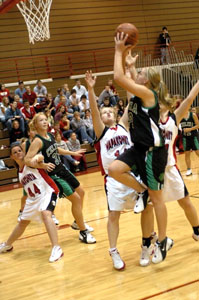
column 190, row 127
column 25, row 146
column 67, row 183
column 42, row 195
column 112, row 140
column 174, row 187
column 148, row 155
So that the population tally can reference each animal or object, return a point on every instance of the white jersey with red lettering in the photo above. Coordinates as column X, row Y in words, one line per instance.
column 41, row 191
column 111, row 144
column 170, row 132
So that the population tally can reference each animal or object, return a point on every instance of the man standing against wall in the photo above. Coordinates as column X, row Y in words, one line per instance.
column 165, row 41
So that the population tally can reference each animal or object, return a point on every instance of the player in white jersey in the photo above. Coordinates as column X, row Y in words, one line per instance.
column 174, row 187
column 42, row 195
column 112, row 140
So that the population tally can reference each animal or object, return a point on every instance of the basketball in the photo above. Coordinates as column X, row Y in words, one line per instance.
column 132, row 32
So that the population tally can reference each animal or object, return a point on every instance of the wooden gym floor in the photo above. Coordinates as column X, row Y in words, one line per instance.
column 85, row 272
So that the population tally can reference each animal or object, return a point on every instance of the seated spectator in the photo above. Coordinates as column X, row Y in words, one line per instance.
column 65, row 126
column 60, row 94
column 77, row 125
column 13, row 113
column 120, row 107
column 27, row 111
column 66, row 90
column 80, row 89
column 50, row 118
column 68, row 160
column 11, row 96
column 5, row 103
column 88, row 122
column 56, row 129
column 106, row 102
column 16, row 133
column 83, row 104
column 30, row 95
column 19, row 103
column 107, row 93
column 20, row 90
column 2, row 113
column 111, row 86
column 63, row 102
column 3, row 91
column 60, row 112
column 74, row 145
column 74, row 100
column 40, row 90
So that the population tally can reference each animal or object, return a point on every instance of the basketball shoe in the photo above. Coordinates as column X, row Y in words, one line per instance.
column 141, row 202
column 118, row 263
column 76, row 227
column 56, row 254
column 86, row 237
column 161, row 249
column 189, row 172
column 5, row 248
column 145, row 255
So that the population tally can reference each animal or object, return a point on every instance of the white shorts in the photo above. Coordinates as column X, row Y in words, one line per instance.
column 119, row 196
column 33, row 208
column 174, row 186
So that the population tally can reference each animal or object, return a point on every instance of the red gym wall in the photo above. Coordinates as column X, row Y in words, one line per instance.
column 89, row 25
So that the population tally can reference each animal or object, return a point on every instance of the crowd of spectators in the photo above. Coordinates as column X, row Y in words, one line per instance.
column 68, row 113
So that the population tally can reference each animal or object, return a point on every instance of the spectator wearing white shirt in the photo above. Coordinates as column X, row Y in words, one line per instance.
column 83, row 104
column 40, row 90
column 80, row 89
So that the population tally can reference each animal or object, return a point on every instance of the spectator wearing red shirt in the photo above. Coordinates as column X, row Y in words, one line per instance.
column 65, row 127
column 27, row 111
column 3, row 91
column 30, row 95
column 56, row 128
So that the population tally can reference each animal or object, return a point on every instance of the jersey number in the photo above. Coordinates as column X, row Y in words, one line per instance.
column 36, row 190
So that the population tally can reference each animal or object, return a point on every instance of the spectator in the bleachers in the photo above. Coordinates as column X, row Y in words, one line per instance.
column 80, row 89
column 112, row 87
column 66, row 90
column 16, row 133
column 14, row 113
column 4, row 92
column 106, row 102
column 77, row 125
column 88, row 122
column 30, row 95
column 74, row 100
column 19, row 103
column 165, row 41
column 60, row 112
column 56, row 128
column 74, row 145
column 2, row 113
column 60, row 94
column 5, row 103
column 68, row 111
column 27, row 111
column 83, row 104
column 20, row 90
column 50, row 118
column 68, row 160
column 107, row 92
column 65, row 126
column 120, row 107
column 40, row 90
column 11, row 96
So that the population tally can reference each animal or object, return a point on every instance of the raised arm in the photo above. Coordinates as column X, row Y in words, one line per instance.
column 97, row 122
column 119, row 73
column 182, row 110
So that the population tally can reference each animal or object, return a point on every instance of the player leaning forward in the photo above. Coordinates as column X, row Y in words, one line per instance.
column 42, row 195
column 148, row 155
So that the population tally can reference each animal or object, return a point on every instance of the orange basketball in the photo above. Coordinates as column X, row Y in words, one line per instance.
column 132, row 32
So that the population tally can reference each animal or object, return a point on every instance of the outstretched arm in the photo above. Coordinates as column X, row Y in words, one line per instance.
column 182, row 110
column 119, row 73
column 97, row 122
column 68, row 152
